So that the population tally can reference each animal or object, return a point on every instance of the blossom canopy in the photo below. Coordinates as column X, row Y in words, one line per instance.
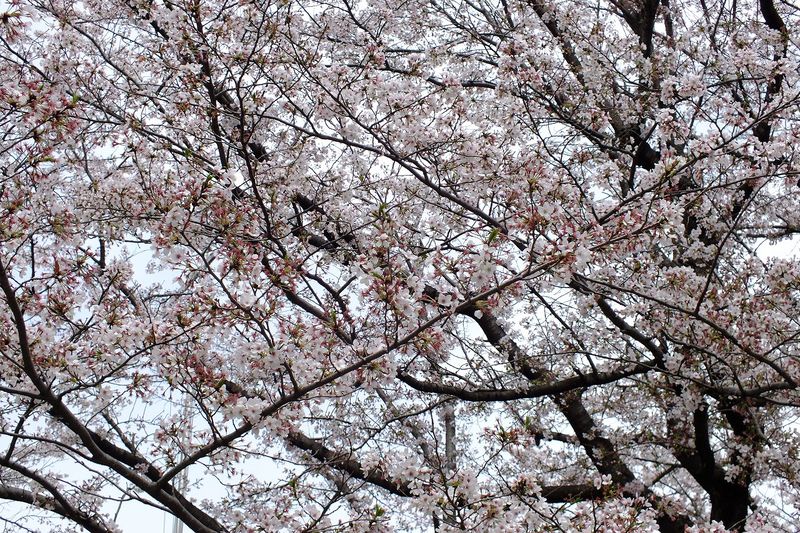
column 420, row 265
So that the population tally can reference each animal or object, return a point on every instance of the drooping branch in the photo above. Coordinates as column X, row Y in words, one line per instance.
column 56, row 502
column 53, row 505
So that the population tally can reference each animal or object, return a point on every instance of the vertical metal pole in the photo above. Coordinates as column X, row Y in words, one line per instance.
column 182, row 481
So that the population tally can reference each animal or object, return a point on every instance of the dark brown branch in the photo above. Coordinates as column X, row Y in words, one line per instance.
column 535, row 391
column 640, row 17
column 629, row 330
column 571, row 493
column 345, row 462
column 599, row 449
column 54, row 506
column 771, row 16
column 702, row 439
column 56, row 502
column 729, row 498
column 773, row 20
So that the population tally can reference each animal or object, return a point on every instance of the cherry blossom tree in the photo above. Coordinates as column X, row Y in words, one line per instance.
column 426, row 265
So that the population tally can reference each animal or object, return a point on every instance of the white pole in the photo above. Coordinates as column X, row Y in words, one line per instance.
column 182, row 480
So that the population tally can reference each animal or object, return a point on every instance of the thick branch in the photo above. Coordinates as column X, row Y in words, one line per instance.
column 345, row 462
column 599, row 449
column 51, row 504
column 534, row 391
column 773, row 20
column 571, row 493
column 56, row 502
